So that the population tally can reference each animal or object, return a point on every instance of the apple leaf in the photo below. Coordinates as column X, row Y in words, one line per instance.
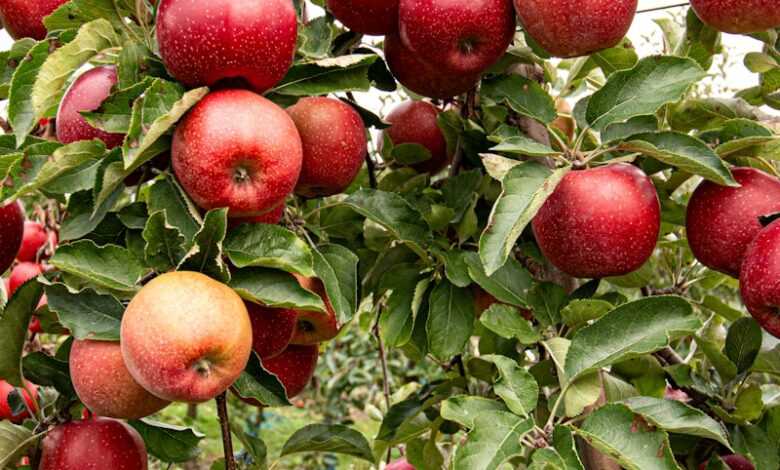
column 166, row 195
column 494, row 439
column 510, row 284
column 10, row 61
column 330, row 75
column 165, row 244
column 21, row 114
column 337, row 267
column 74, row 13
column 458, row 191
column 256, row 383
column 404, row 421
column 579, row 393
column 110, row 266
column 275, row 289
column 14, row 441
column 13, row 325
column 270, row 246
column 44, row 370
column 516, row 386
column 524, row 96
column 87, row 314
column 114, row 113
column 82, row 216
column 743, row 343
column 465, row 409
column 331, row 438
column 753, row 441
column 169, row 443
column 396, row 321
column 450, row 320
column 510, row 140
column 205, row 256
column 507, row 322
column 581, row 311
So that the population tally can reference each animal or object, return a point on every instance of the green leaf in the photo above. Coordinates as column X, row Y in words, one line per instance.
column 516, row 387
column 465, row 409
column 507, row 322
column 87, row 314
column 337, row 267
column 546, row 300
column 458, row 191
column 581, row 311
column 494, row 440
column 256, row 383
column 726, row 369
column 205, row 256
column 402, row 422
column 275, row 289
column 332, row 438
column 684, row 152
column 632, row 329
column 315, row 38
column 456, row 269
column 13, row 325
column 396, row 321
column 743, row 343
column 579, row 393
column 752, row 441
column 115, row 112
column 21, row 114
column 109, row 266
column 515, row 143
column 749, row 404
column 166, row 195
column 53, row 75
column 44, row 370
column 525, row 189
column 169, row 443
column 74, row 13
column 510, row 284
column 615, row 431
column 82, row 216
column 165, row 245
column 524, row 96
column 270, row 246
column 450, row 320
column 330, row 75
column 14, row 441
column 410, row 153
column 642, row 90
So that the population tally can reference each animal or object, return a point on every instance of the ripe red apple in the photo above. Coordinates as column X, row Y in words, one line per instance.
column 400, row 464
column 374, row 17
column 87, row 93
column 415, row 122
column 758, row 279
column 458, row 36
column 722, row 221
column 315, row 327
column 294, row 367
column 33, row 240
column 422, row 78
column 97, row 443
column 272, row 329
column 600, row 222
column 735, row 462
column 738, row 16
column 238, row 150
column 246, row 40
column 11, row 233
column 567, row 28
column 5, row 408
column 105, row 386
column 186, row 337
column 334, row 145
column 22, row 273
column 24, row 18
column 272, row 217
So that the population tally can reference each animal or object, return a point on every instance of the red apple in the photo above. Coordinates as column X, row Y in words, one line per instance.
column 272, row 329
column 415, row 122
column 567, row 28
column 24, row 18
column 186, row 337
column 238, row 150
column 22, row 273
column 334, row 145
column 458, row 36
column 422, row 78
column 315, row 327
column 759, row 279
column 5, row 408
column 97, row 443
column 738, row 16
column 600, row 222
column 374, row 17
column 231, row 39
column 722, row 221
column 294, row 367
column 87, row 93
column 103, row 383
column 735, row 462
column 400, row 464
column 11, row 233
column 33, row 240
column 272, row 217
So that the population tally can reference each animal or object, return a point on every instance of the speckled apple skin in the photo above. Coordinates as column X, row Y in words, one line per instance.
column 33, row 239
column 722, row 221
column 238, row 150
column 415, row 122
column 422, row 78
column 334, row 145
column 24, row 18
column 202, row 43
column 400, row 464
column 600, row 222
column 315, row 327
column 294, row 367
column 463, row 36
column 738, row 16
column 374, row 17
column 573, row 28
column 272, row 329
column 11, row 233
column 5, row 409
column 759, row 279
column 186, row 337
column 94, row 444
column 87, row 93
column 105, row 386
column 22, row 273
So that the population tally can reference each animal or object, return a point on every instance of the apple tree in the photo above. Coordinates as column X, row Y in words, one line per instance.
column 551, row 253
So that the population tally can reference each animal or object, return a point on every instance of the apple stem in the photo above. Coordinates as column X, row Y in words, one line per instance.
column 227, row 440
column 467, row 110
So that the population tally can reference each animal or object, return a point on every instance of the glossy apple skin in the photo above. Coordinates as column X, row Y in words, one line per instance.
column 315, row 327
column 33, row 240
column 294, row 367
column 722, row 221
column 334, row 145
column 186, row 337
column 5, row 409
column 415, row 122
column 94, row 444
column 422, row 78
column 87, row 93
column 758, row 279
column 24, row 18
column 231, row 39
column 600, row 222
column 272, row 329
column 400, row 464
column 238, row 150
column 11, row 233
column 104, row 384
column 738, row 16
column 458, row 36
column 22, row 273
column 374, row 17
column 735, row 462
column 573, row 28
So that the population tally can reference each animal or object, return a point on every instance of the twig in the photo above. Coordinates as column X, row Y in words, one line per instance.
column 465, row 112
column 370, row 164
column 385, row 374
column 227, row 439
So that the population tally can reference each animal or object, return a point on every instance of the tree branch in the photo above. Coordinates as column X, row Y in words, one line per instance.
column 385, row 373
column 227, row 439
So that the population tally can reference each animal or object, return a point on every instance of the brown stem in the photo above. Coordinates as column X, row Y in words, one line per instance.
column 466, row 111
column 385, row 373
column 227, row 439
